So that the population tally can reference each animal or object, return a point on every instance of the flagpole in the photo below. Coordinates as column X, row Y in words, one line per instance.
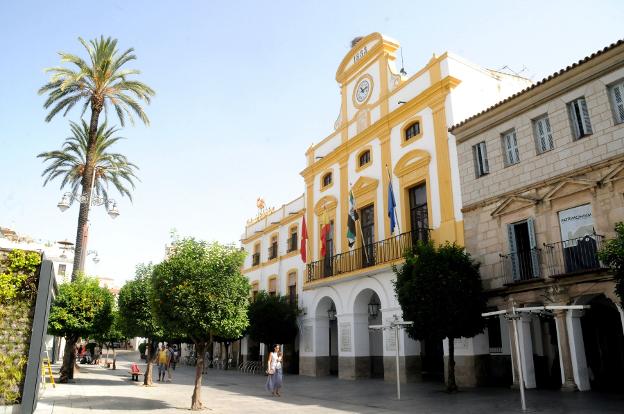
column 395, row 213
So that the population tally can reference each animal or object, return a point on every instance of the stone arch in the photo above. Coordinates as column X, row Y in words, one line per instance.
column 372, row 284
column 329, row 292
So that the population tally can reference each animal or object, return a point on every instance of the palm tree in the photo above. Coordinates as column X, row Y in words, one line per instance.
column 69, row 164
column 99, row 84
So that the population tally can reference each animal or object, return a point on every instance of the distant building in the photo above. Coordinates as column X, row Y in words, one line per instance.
column 61, row 253
column 542, row 179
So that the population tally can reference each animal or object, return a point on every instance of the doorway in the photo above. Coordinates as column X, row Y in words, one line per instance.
column 604, row 344
column 432, row 356
column 523, row 250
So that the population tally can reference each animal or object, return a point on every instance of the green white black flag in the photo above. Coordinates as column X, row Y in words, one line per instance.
column 353, row 216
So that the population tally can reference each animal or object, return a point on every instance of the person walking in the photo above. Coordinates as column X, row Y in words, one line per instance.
column 163, row 362
column 171, row 363
column 274, row 371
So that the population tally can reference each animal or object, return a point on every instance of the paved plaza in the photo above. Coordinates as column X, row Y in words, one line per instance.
column 100, row 390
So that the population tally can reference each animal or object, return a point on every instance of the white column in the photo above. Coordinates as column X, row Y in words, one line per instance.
column 361, row 342
column 577, row 350
column 526, row 350
column 321, row 336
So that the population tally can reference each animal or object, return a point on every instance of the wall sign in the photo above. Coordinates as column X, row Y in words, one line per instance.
column 390, row 340
column 575, row 223
column 345, row 337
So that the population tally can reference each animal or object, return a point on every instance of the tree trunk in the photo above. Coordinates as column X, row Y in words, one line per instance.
column 69, row 359
column 106, row 360
column 196, row 403
column 151, row 356
column 114, row 358
column 451, row 386
column 86, row 184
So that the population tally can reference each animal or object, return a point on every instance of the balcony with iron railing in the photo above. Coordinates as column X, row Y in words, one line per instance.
column 569, row 257
column 574, row 256
column 377, row 253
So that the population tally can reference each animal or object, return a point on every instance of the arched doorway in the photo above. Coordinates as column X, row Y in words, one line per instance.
column 368, row 343
column 604, row 344
column 326, row 337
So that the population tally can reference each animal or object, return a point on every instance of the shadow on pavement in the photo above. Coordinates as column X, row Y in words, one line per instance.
column 96, row 402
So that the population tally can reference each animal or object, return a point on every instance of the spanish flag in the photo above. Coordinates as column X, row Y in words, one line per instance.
column 304, row 241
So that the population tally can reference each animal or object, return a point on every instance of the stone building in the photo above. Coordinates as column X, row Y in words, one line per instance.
column 542, row 188
column 392, row 130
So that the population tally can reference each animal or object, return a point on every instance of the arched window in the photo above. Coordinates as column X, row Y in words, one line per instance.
column 327, row 179
column 412, row 131
column 364, row 158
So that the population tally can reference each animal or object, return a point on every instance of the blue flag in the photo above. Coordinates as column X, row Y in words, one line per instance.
column 391, row 207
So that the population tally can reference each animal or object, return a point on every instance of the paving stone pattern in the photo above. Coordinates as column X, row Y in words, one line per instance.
column 100, row 390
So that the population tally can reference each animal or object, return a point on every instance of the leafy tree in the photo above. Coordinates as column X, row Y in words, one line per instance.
column 99, row 83
column 612, row 254
column 272, row 319
column 81, row 308
column 439, row 289
column 109, row 167
column 112, row 335
column 200, row 292
column 137, row 314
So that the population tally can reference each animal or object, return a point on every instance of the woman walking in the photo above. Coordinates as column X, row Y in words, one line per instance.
column 274, row 371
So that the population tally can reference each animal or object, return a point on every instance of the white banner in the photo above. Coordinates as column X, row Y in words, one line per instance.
column 575, row 223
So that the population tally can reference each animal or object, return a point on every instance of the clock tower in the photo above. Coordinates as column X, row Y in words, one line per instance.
column 366, row 75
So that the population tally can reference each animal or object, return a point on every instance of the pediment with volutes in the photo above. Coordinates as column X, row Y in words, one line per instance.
column 514, row 203
column 364, row 185
column 568, row 187
column 413, row 160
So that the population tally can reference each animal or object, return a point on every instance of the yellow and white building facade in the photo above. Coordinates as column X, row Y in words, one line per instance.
column 392, row 129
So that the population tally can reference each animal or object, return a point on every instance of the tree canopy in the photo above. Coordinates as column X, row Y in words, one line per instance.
column 272, row 319
column 199, row 290
column 135, row 305
column 81, row 308
column 439, row 289
column 612, row 254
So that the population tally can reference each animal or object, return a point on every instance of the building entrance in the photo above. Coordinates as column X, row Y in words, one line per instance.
column 604, row 345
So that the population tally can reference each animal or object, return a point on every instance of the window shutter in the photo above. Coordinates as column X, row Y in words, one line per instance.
column 541, row 135
column 618, row 101
column 515, row 146
column 533, row 245
column 486, row 165
column 548, row 133
column 575, row 121
column 585, row 113
column 513, row 253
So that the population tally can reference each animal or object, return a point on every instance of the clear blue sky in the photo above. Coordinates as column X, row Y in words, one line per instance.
column 243, row 88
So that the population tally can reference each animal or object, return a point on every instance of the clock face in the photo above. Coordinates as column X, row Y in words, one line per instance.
column 362, row 91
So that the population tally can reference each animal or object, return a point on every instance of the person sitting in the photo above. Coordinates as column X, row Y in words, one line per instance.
column 135, row 371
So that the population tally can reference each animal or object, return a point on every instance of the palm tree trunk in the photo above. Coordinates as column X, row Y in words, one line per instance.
column 451, row 386
column 87, row 183
column 196, row 403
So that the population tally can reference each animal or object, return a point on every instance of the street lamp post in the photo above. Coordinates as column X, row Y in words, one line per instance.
column 110, row 205
column 394, row 325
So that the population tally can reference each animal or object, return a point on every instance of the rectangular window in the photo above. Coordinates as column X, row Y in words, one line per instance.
column 482, row 166
column 579, row 118
column 543, row 134
column 255, row 258
column 510, row 147
column 254, row 290
column 419, row 221
column 367, row 216
column 62, row 269
column 273, row 286
column 292, row 241
column 494, row 335
column 292, row 288
column 412, row 131
column 273, row 248
column 617, row 101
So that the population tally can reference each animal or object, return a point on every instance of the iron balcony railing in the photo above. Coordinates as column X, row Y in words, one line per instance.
column 577, row 255
column 273, row 251
column 521, row 265
column 369, row 255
